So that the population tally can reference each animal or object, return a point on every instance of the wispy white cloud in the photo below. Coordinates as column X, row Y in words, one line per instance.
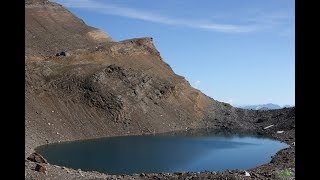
column 112, row 9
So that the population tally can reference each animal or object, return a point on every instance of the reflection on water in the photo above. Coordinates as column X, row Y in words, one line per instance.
column 169, row 152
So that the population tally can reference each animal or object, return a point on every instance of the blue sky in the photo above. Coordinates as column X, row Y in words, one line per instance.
column 240, row 52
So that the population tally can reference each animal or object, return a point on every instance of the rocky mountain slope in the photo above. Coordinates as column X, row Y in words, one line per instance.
column 105, row 88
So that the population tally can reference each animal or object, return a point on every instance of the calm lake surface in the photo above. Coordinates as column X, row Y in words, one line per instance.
column 163, row 153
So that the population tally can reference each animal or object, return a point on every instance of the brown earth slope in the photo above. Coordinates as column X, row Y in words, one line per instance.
column 50, row 28
column 106, row 88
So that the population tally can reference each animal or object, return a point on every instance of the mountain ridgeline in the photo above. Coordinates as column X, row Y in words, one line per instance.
column 100, row 87
column 267, row 106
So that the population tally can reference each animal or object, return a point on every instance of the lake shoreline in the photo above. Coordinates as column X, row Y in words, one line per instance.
column 284, row 159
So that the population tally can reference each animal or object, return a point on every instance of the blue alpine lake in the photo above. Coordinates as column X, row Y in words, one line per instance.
column 163, row 153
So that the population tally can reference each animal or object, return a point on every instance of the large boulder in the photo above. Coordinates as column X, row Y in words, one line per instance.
column 62, row 53
column 35, row 157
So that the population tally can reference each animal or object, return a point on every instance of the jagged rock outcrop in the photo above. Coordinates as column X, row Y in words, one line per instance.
column 35, row 157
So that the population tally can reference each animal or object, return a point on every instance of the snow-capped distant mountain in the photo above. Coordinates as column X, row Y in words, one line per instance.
column 263, row 106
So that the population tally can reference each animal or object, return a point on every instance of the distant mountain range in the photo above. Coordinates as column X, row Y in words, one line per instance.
column 263, row 106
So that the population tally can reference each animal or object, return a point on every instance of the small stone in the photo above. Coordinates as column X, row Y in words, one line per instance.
column 68, row 171
column 294, row 143
column 279, row 132
column 57, row 133
column 52, row 111
column 49, row 124
column 62, row 53
column 260, row 120
column 245, row 173
column 80, row 172
column 267, row 175
column 254, row 175
column 40, row 168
